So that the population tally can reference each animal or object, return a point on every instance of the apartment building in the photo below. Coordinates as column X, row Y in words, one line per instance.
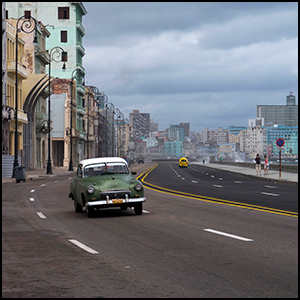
column 140, row 123
column 64, row 22
column 253, row 141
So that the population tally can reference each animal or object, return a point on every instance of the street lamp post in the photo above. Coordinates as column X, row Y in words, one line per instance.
column 27, row 25
column 96, row 92
column 60, row 53
column 111, row 106
column 74, row 74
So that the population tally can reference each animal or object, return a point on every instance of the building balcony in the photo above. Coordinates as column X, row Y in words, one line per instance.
column 80, row 89
column 22, row 70
column 80, row 48
column 80, row 28
column 81, row 110
column 43, row 56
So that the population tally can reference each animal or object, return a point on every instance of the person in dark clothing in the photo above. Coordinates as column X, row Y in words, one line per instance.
column 257, row 165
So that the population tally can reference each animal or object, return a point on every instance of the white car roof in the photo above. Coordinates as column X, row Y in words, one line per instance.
column 101, row 160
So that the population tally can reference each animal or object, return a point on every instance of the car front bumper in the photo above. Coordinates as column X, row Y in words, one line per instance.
column 115, row 202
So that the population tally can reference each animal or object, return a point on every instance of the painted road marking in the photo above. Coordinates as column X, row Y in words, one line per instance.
column 194, row 181
column 270, row 194
column 43, row 184
column 146, row 211
column 229, row 235
column 31, row 199
column 41, row 215
column 238, row 182
column 84, row 247
column 271, row 186
column 218, row 186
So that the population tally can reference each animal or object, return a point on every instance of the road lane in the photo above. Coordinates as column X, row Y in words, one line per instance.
column 248, row 191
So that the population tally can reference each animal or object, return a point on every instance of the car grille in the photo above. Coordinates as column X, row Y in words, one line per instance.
column 114, row 195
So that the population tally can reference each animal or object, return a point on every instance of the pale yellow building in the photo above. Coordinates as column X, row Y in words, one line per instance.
column 10, row 87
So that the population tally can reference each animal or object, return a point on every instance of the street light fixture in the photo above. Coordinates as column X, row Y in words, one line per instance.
column 55, row 53
column 74, row 75
column 27, row 25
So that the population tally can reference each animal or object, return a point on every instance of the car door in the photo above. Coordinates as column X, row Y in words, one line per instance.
column 78, row 184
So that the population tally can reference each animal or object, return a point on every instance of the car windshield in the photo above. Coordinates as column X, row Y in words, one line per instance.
column 105, row 168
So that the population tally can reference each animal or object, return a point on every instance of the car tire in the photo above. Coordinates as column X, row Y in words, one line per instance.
column 89, row 211
column 77, row 207
column 138, row 208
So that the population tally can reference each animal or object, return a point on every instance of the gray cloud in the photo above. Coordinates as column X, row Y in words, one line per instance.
column 204, row 63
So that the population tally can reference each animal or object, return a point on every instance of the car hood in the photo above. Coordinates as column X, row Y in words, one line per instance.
column 112, row 182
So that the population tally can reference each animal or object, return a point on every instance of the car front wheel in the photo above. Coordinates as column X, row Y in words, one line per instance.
column 89, row 211
column 77, row 207
column 138, row 208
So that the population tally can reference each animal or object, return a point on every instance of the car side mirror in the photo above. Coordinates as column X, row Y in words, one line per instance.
column 133, row 173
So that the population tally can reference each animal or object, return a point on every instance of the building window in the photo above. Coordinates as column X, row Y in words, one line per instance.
column 27, row 14
column 64, row 36
column 64, row 56
column 63, row 13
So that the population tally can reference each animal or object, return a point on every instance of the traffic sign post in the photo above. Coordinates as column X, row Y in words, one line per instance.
column 280, row 143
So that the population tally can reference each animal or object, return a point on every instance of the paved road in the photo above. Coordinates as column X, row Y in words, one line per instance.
column 210, row 184
column 175, row 249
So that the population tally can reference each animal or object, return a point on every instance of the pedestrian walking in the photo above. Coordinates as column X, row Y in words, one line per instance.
column 257, row 165
column 266, row 166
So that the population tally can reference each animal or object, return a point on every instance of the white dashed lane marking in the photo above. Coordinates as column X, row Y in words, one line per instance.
column 229, row 235
column 218, row 186
column 84, row 247
column 41, row 215
column 270, row 194
column 271, row 186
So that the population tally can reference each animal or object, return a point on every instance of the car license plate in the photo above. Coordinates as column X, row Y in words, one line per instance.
column 117, row 201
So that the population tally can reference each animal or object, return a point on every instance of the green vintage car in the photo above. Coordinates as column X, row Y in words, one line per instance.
column 106, row 182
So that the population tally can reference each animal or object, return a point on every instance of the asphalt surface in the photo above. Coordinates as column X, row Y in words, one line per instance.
column 173, row 250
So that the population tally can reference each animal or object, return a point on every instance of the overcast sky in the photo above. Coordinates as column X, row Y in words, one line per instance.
column 205, row 63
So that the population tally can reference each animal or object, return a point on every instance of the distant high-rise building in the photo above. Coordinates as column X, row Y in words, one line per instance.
column 286, row 115
column 140, row 123
column 186, row 127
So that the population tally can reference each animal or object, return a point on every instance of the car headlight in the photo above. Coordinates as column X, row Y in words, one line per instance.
column 91, row 190
column 138, row 187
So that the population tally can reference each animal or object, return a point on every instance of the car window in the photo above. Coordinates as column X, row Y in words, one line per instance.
column 117, row 168
column 94, row 169
column 79, row 171
column 105, row 168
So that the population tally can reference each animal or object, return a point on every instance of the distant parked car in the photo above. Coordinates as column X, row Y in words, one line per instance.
column 140, row 160
column 106, row 182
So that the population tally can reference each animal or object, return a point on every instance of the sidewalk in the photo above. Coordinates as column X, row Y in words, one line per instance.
column 273, row 175
column 41, row 174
